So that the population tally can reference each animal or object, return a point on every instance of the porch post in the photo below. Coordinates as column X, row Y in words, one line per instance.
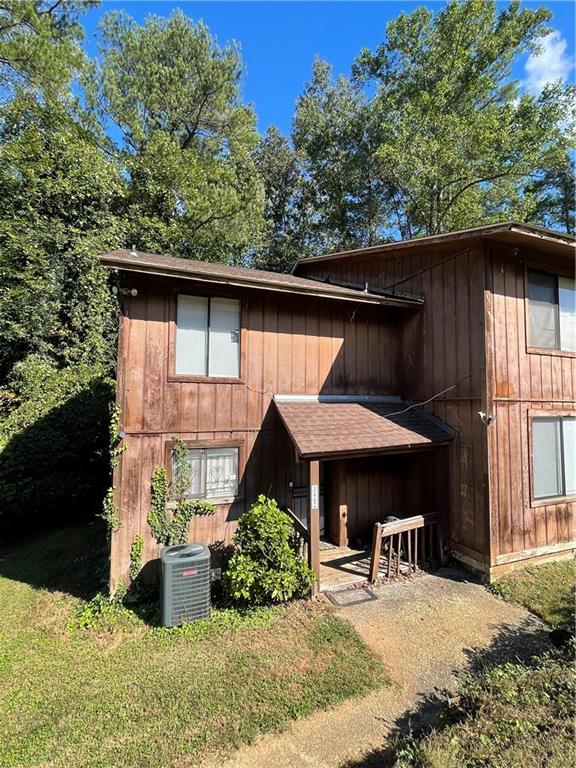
column 314, row 521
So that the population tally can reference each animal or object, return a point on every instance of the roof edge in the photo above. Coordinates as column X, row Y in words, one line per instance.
column 487, row 230
column 315, row 287
column 279, row 398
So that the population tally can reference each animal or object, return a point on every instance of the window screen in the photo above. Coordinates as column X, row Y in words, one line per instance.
column 207, row 336
column 543, row 310
column 213, row 472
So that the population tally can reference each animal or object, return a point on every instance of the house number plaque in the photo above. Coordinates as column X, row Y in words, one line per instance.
column 315, row 496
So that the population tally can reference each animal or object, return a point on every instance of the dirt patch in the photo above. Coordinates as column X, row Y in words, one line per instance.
column 426, row 631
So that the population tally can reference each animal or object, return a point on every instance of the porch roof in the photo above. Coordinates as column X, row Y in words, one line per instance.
column 323, row 428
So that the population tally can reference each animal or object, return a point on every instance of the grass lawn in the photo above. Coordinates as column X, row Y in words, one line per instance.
column 511, row 715
column 547, row 590
column 82, row 687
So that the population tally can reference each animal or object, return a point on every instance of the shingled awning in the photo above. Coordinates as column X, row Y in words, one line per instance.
column 326, row 429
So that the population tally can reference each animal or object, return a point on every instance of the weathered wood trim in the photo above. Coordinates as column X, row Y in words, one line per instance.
column 490, row 471
column 473, row 554
column 527, row 554
column 551, row 352
column 115, row 572
column 314, row 521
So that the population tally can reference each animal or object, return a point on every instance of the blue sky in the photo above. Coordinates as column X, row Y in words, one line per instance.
column 280, row 39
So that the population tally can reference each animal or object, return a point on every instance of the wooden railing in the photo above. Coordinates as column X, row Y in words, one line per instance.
column 403, row 544
column 301, row 530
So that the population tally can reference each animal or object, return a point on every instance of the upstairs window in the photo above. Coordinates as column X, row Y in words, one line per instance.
column 554, row 456
column 207, row 336
column 213, row 472
column 552, row 302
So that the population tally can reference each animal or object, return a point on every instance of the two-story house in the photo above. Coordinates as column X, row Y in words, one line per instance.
column 433, row 375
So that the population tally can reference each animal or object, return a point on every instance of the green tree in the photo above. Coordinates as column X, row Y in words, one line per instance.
column 344, row 199
column 280, row 168
column 458, row 136
column 39, row 42
column 552, row 196
column 187, row 139
column 58, row 192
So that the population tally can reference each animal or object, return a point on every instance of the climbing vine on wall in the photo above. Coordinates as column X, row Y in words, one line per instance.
column 136, row 552
column 170, row 508
column 117, row 446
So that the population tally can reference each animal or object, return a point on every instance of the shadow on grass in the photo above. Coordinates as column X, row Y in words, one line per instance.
column 70, row 560
column 54, row 471
column 512, row 643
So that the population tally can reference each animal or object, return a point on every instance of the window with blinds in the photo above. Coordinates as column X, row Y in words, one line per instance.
column 552, row 302
column 554, row 456
column 207, row 336
column 213, row 473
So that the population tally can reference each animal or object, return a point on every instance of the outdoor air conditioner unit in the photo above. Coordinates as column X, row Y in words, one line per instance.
column 185, row 584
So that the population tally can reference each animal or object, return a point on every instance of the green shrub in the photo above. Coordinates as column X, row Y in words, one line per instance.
column 53, row 443
column 268, row 567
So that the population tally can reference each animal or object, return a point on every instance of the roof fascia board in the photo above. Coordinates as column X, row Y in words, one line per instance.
column 260, row 285
column 394, row 449
column 490, row 231
column 280, row 398
column 541, row 235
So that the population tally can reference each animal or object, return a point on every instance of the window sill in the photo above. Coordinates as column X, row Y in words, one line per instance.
column 171, row 505
column 206, row 379
column 553, row 352
column 552, row 500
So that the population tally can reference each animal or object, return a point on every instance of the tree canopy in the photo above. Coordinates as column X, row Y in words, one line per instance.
column 187, row 140
column 152, row 145
column 430, row 133
column 39, row 42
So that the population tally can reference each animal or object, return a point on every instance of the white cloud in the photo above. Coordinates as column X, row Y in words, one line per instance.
column 550, row 64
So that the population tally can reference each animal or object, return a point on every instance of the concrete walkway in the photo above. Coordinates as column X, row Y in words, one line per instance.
column 426, row 631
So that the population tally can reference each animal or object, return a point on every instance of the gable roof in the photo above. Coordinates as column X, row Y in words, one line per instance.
column 223, row 274
column 510, row 231
column 358, row 427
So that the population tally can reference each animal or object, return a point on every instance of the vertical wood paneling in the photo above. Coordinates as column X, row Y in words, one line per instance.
column 442, row 344
column 518, row 381
column 292, row 344
column 289, row 344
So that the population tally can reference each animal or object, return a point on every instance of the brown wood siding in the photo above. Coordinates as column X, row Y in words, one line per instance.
column 289, row 345
column 371, row 489
column 442, row 346
column 519, row 383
